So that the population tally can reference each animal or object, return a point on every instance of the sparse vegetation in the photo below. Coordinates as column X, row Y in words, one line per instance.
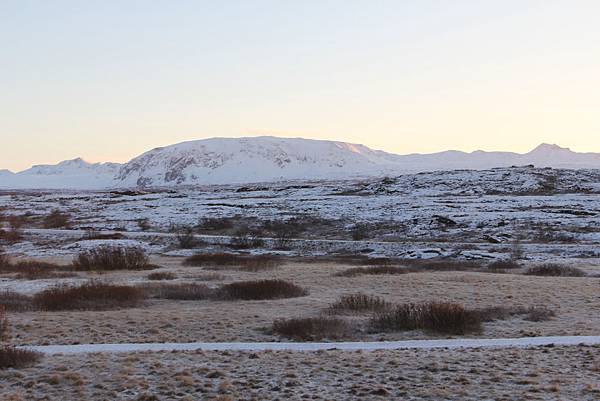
column 156, row 276
column 16, row 358
column 3, row 322
column 372, row 270
column 112, row 258
column 437, row 317
column 57, row 219
column 15, row 302
column 144, row 224
column 359, row 302
column 360, row 232
column 313, row 328
column 261, row 289
column 89, row 296
column 186, row 239
column 179, row 291
column 33, row 269
column 555, row 270
column 504, row 264
column 241, row 262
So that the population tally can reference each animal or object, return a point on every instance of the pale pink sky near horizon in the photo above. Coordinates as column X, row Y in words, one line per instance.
column 109, row 80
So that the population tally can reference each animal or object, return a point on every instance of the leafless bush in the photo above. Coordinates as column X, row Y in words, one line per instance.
column 506, row 264
column 313, row 328
column 360, row 232
column 437, row 317
column 15, row 302
column 3, row 322
column 11, row 236
column 246, row 239
column 33, row 269
column 358, row 303
column 186, row 238
column 144, row 224
column 261, row 289
column 555, row 270
column 112, row 258
column 89, row 296
column 179, row 291
column 251, row 263
column 95, row 235
column 215, row 224
column 16, row 358
column 161, row 276
column 57, row 219
column 539, row 314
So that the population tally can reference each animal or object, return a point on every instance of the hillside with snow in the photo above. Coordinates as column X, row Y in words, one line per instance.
column 268, row 159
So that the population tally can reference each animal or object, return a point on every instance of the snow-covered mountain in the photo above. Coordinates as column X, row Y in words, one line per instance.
column 263, row 159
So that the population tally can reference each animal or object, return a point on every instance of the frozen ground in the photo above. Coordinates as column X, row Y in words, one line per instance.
column 547, row 213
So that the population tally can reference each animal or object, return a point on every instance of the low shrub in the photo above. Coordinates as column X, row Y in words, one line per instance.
column 261, row 289
column 16, row 358
column 252, row 263
column 112, row 258
column 437, row 317
column 186, row 239
column 15, row 302
column 34, row 269
column 91, row 235
column 373, row 270
column 539, row 314
column 161, row 276
column 313, row 328
column 11, row 236
column 56, row 219
column 3, row 322
column 555, row 270
column 505, row 264
column 89, row 296
column 246, row 239
column 179, row 291
column 358, row 303
column 210, row 277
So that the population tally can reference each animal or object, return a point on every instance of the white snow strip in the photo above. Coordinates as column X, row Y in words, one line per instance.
column 342, row 346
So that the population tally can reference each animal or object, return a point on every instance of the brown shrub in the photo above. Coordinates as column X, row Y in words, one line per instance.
column 555, row 270
column 437, row 317
column 161, row 276
column 89, row 296
column 15, row 302
column 179, row 291
column 539, row 314
column 252, row 263
column 215, row 224
column 210, row 277
column 56, row 219
column 11, row 236
column 313, row 328
column 261, row 289
column 3, row 322
column 506, row 264
column 95, row 235
column 34, row 269
column 186, row 239
column 358, row 303
column 112, row 258
column 16, row 358
column 373, row 270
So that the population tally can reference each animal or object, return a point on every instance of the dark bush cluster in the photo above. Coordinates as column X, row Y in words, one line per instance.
column 359, row 303
column 372, row 270
column 33, row 269
column 251, row 263
column 437, row 317
column 555, row 270
column 17, row 358
column 179, row 291
column 57, row 219
column 505, row 264
column 313, row 328
column 15, row 302
column 89, row 296
column 156, row 276
column 261, row 289
column 112, row 258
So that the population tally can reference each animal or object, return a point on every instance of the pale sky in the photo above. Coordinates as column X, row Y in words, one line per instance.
column 107, row 80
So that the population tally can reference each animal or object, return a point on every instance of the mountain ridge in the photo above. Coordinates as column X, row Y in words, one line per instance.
column 268, row 158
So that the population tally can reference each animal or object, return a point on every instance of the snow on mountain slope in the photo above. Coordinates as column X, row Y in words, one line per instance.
column 76, row 173
column 263, row 159
column 220, row 161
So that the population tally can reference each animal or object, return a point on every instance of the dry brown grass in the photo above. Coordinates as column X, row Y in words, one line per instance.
column 358, row 302
column 555, row 270
column 313, row 328
column 34, row 269
column 106, row 258
column 89, row 296
column 261, row 289
column 437, row 317
column 179, row 291
column 15, row 302
column 57, row 219
column 372, row 270
column 217, row 261
column 3, row 322
column 156, row 276
column 14, row 358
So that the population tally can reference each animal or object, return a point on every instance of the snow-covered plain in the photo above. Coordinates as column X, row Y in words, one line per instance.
column 466, row 213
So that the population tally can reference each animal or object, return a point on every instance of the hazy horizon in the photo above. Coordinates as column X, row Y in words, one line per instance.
column 110, row 80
